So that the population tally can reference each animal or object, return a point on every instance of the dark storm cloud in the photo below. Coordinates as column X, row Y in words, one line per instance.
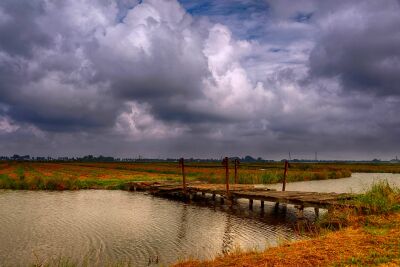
column 51, row 102
column 30, row 86
column 179, row 112
column 126, row 77
column 19, row 30
column 362, row 48
column 75, row 81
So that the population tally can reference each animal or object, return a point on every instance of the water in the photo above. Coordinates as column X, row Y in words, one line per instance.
column 357, row 183
column 103, row 227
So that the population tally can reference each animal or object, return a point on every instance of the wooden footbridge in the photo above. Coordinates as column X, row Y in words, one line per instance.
column 230, row 193
column 194, row 190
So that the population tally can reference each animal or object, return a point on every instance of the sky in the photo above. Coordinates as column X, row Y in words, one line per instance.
column 168, row 78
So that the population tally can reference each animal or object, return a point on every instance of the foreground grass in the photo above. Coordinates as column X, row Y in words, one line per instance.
column 355, row 245
column 367, row 236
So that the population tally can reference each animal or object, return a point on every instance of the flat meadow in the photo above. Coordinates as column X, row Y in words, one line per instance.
column 96, row 175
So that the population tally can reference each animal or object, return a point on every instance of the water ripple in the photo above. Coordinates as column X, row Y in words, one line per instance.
column 102, row 227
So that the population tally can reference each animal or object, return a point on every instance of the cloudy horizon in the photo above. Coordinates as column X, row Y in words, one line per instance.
column 202, row 79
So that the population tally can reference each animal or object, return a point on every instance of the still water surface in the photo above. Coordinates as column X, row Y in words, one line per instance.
column 357, row 183
column 100, row 227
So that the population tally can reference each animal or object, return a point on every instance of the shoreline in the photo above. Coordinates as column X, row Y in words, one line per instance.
column 366, row 235
column 365, row 245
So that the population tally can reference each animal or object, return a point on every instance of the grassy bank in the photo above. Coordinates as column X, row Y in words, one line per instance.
column 64, row 176
column 367, row 236
column 353, row 246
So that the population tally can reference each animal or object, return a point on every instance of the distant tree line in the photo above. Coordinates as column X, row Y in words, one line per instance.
column 91, row 158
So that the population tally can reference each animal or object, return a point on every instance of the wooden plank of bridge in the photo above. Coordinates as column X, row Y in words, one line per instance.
column 313, row 199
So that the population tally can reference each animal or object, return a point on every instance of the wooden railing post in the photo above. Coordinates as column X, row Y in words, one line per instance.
column 284, row 175
column 225, row 163
column 237, row 162
column 182, row 165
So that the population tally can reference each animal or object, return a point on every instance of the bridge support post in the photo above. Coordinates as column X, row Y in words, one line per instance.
column 300, row 209
column 284, row 175
column 225, row 163
column 237, row 162
column 262, row 205
column 316, row 212
column 182, row 164
column 251, row 203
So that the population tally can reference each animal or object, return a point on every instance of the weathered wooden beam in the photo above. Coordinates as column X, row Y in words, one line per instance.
column 284, row 175
column 305, row 199
column 182, row 164
column 225, row 163
column 237, row 162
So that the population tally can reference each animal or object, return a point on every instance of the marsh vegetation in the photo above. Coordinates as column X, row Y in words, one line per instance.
column 71, row 176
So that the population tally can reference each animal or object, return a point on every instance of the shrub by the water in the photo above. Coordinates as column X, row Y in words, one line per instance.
column 380, row 198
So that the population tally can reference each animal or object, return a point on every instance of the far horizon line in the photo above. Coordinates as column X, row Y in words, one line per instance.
column 139, row 158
